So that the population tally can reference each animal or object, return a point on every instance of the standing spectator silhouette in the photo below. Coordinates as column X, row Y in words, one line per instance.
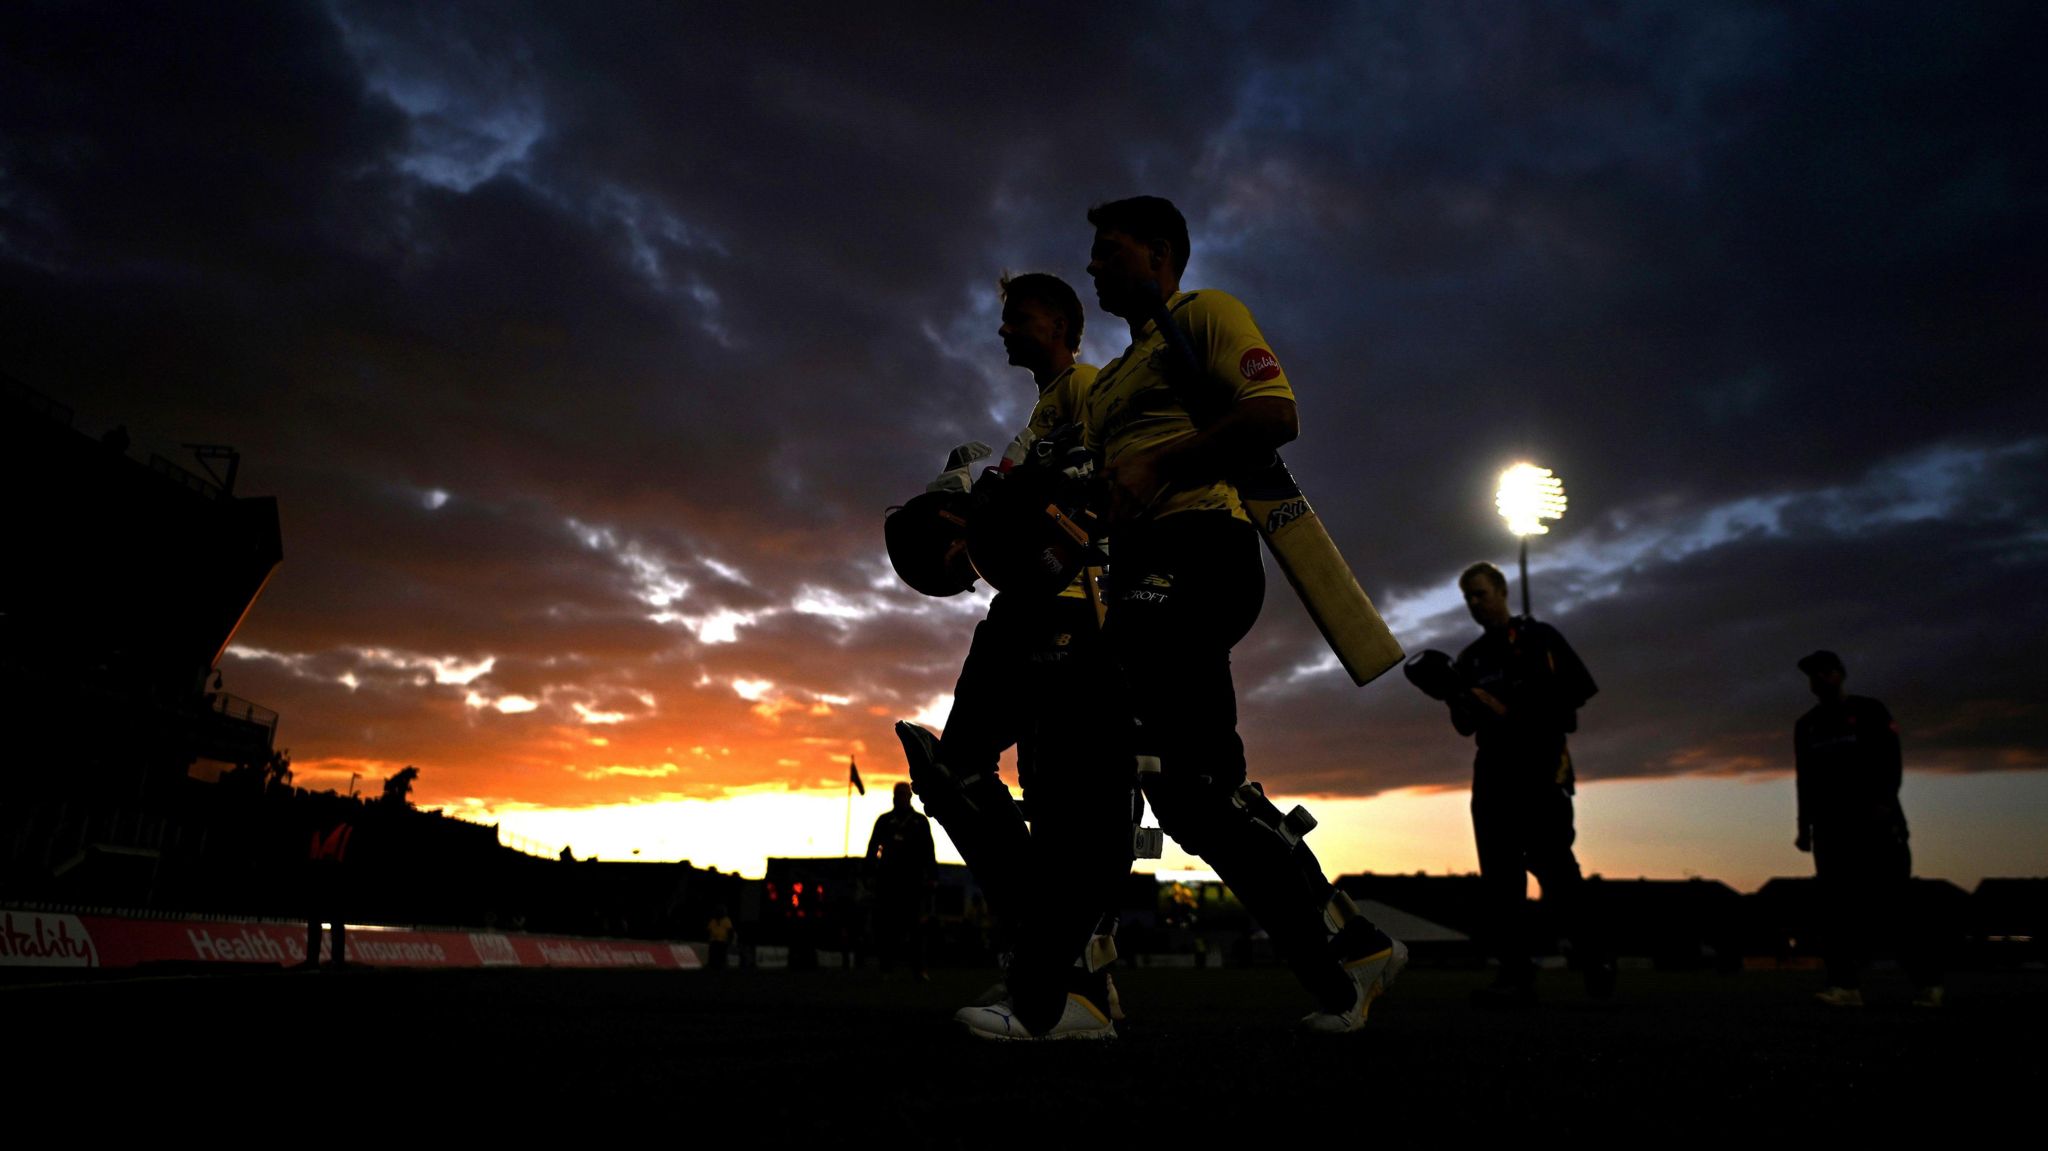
column 900, row 856
column 719, row 932
column 327, row 891
column 1849, row 767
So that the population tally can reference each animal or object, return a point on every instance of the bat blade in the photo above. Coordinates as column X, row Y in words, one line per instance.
column 1309, row 558
column 1298, row 540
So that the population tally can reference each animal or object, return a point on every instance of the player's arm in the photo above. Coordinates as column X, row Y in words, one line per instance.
column 1246, row 434
column 1891, row 759
column 1463, row 719
column 1472, row 707
column 1246, row 406
column 1802, row 776
column 1489, row 703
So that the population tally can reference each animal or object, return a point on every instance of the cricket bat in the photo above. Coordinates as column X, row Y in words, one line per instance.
column 1302, row 546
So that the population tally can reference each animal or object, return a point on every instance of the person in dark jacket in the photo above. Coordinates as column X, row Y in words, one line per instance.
column 1849, row 766
column 1522, row 690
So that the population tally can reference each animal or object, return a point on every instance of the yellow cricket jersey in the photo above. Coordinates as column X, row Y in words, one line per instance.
column 1059, row 404
column 1135, row 404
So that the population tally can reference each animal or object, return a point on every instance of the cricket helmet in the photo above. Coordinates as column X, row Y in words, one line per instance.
column 1434, row 672
column 1022, row 541
column 927, row 542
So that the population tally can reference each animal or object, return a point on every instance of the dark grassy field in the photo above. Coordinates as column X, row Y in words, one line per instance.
column 800, row 1055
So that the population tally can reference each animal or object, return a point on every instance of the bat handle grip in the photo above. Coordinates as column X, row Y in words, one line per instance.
column 1162, row 318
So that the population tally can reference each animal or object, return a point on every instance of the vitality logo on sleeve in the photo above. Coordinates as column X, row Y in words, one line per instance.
column 1258, row 364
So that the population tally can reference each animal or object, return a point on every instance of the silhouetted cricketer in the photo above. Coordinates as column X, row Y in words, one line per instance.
column 1517, row 691
column 1849, row 766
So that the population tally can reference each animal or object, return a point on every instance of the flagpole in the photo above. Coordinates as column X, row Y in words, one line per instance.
column 853, row 784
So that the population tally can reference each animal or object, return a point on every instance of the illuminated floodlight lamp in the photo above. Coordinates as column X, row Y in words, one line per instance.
column 1527, row 496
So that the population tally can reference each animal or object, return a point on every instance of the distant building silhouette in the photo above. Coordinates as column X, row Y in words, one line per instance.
column 1786, row 917
column 132, row 581
column 1676, row 923
column 2009, row 921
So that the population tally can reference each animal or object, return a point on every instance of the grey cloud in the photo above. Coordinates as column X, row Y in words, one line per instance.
column 719, row 280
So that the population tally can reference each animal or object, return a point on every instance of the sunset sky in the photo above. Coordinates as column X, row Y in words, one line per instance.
column 583, row 347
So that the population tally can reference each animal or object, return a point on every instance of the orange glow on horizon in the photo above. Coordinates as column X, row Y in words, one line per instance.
column 727, row 771
column 1728, row 829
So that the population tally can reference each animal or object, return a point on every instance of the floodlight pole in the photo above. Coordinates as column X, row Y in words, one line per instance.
column 1525, row 577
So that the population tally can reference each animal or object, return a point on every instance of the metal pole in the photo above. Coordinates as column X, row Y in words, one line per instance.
column 1525, row 577
column 846, row 847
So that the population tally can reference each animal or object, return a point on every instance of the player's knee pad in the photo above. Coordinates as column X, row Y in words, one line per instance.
column 1206, row 818
column 1340, row 911
column 1251, row 799
column 1146, row 842
column 1099, row 952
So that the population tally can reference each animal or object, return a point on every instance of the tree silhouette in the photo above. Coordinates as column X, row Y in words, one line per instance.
column 398, row 788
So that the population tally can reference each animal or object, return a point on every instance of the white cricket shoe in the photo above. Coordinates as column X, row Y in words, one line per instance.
column 1080, row 1020
column 1100, row 953
column 1371, row 975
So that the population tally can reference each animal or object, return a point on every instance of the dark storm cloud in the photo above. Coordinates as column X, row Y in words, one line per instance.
column 592, row 344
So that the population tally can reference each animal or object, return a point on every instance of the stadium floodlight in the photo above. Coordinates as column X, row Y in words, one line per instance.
column 1527, row 496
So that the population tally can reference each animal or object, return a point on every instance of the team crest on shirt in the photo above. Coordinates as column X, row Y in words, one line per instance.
column 1258, row 364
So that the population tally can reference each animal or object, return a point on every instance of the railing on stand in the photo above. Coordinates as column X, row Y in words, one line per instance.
column 235, row 707
column 525, row 846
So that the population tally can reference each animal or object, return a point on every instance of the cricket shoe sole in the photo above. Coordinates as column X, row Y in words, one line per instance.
column 998, row 1023
column 1371, row 975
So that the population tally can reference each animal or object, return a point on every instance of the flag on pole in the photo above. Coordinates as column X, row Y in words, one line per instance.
column 853, row 776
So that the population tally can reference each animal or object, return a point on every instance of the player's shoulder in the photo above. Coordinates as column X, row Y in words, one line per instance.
column 1868, row 706
column 1071, row 383
column 1061, row 399
column 1211, row 306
